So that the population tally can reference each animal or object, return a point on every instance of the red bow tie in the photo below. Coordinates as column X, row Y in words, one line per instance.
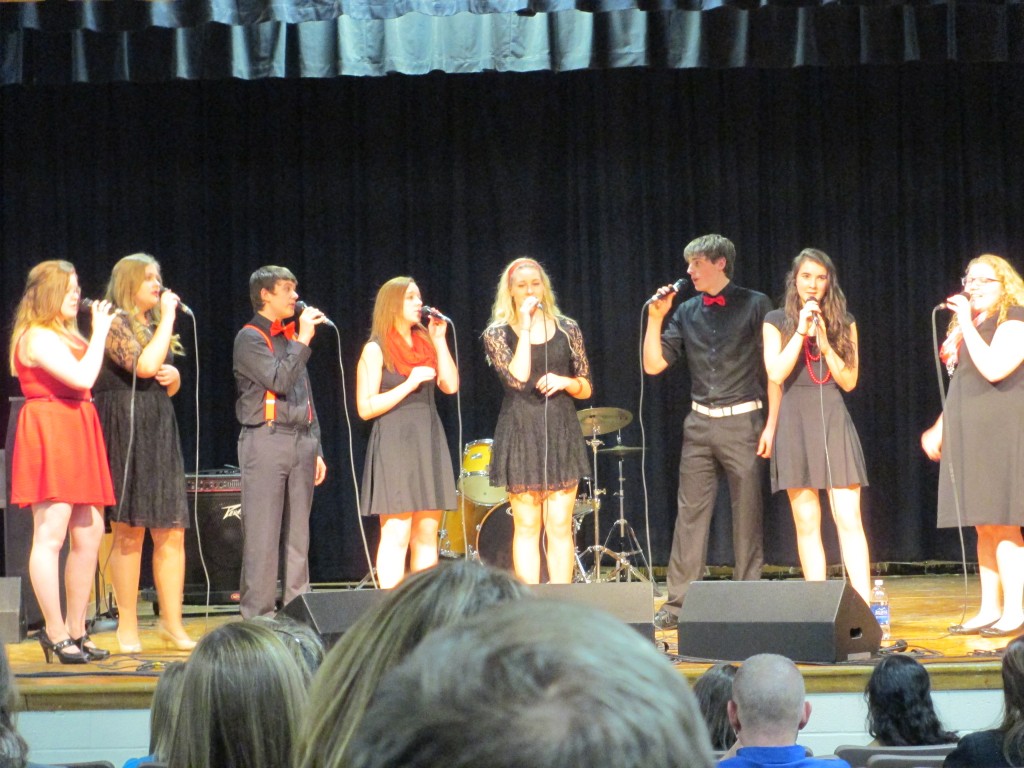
column 276, row 329
column 709, row 300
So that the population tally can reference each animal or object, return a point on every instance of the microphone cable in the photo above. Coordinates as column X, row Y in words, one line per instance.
column 950, row 464
column 643, row 455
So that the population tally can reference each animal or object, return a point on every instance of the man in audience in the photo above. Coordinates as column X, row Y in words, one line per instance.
column 532, row 683
column 767, row 710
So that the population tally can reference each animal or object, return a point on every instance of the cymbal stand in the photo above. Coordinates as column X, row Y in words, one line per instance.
column 597, row 550
column 628, row 541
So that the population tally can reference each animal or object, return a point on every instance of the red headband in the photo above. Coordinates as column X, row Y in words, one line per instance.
column 516, row 265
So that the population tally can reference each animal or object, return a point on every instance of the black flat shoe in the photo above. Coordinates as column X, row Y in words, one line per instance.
column 960, row 629
column 65, row 650
column 90, row 649
column 993, row 632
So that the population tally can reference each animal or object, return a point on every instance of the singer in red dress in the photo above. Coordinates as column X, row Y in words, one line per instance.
column 60, row 461
column 979, row 438
column 144, row 447
column 810, row 350
column 408, row 478
column 539, row 452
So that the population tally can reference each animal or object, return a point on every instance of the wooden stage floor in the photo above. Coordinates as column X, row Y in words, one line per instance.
column 922, row 607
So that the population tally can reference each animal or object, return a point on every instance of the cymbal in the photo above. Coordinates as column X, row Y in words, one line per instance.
column 599, row 421
column 622, row 451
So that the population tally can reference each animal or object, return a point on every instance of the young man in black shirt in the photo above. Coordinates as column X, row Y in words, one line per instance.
column 719, row 331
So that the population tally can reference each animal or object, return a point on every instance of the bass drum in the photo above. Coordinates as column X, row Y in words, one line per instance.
column 494, row 540
column 459, row 526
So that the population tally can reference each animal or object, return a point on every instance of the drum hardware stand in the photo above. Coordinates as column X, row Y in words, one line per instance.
column 597, row 549
column 628, row 541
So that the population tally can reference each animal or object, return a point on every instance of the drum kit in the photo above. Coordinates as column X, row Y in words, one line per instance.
column 481, row 527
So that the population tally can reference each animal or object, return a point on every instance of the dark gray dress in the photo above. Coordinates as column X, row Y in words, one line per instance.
column 983, row 441
column 810, row 413
column 408, row 467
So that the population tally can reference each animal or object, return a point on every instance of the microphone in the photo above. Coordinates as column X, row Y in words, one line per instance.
column 431, row 312
column 84, row 304
column 814, row 315
column 661, row 293
column 300, row 307
column 181, row 304
column 944, row 305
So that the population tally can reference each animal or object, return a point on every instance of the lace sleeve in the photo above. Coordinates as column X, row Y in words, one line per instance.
column 499, row 355
column 580, row 363
column 122, row 346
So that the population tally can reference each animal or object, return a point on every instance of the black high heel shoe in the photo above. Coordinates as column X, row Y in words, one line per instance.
column 66, row 650
column 90, row 649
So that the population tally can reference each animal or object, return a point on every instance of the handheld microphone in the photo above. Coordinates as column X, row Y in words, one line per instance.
column 84, row 304
column 300, row 307
column 431, row 312
column 661, row 293
column 181, row 304
column 945, row 305
column 814, row 315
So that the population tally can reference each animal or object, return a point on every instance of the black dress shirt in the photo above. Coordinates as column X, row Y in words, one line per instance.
column 722, row 344
column 282, row 371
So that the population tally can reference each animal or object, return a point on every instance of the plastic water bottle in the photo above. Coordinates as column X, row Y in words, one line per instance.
column 880, row 607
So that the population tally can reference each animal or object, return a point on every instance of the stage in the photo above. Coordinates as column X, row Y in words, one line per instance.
column 965, row 670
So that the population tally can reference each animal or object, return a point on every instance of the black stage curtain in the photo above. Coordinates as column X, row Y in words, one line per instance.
column 900, row 173
column 57, row 41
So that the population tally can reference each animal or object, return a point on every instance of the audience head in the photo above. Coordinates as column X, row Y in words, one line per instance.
column 1013, row 701
column 383, row 637
column 768, row 706
column 241, row 701
column 713, row 690
column 536, row 683
column 900, row 711
column 163, row 711
column 305, row 644
column 13, row 749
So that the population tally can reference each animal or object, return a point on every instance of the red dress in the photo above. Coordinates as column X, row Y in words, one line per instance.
column 59, row 453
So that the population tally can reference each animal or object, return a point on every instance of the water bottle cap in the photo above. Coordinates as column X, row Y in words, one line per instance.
column 878, row 582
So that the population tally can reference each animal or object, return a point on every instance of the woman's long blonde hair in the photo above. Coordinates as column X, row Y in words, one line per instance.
column 1013, row 286
column 125, row 280
column 504, row 310
column 387, row 307
column 45, row 289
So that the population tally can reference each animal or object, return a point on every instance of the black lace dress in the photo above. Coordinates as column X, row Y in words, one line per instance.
column 519, row 444
column 154, row 494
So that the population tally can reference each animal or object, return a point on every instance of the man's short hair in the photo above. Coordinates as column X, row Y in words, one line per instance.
column 267, row 277
column 713, row 248
column 769, row 692
column 533, row 683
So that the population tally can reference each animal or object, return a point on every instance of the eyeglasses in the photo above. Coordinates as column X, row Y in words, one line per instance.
column 966, row 281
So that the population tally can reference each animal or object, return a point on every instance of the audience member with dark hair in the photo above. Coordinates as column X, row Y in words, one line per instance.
column 532, row 683
column 241, row 701
column 713, row 690
column 900, row 711
column 768, row 710
column 163, row 712
column 305, row 644
column 1003, row 746
column 383, row 637
column 13, row 749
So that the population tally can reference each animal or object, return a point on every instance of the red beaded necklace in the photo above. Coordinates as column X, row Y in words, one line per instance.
column 809, row 358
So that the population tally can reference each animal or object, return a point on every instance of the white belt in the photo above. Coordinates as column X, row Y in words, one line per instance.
column 728, row 410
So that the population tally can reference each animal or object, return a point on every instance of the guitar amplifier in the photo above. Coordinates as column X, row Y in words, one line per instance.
column 213, row 539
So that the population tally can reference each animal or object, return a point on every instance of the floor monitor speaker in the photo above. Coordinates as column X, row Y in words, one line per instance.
column 331, row 614
column 810, row 621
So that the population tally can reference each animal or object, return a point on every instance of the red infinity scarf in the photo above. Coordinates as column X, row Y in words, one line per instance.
column 404, row 357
